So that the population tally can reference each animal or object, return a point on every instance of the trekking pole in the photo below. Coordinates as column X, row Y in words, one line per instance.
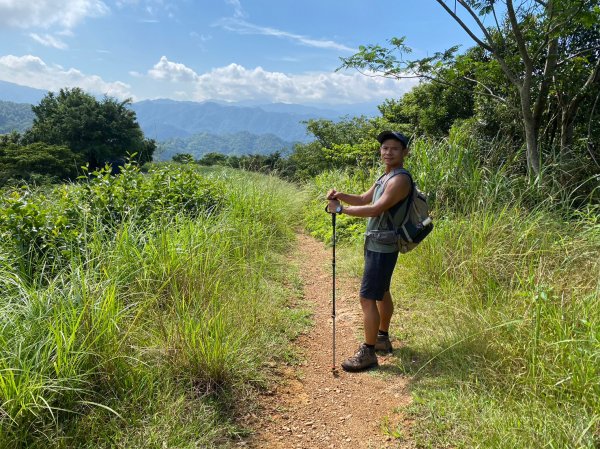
column 333, row 367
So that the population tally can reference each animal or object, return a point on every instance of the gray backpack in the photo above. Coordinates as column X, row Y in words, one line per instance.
column 414, row 227
column 417, row 223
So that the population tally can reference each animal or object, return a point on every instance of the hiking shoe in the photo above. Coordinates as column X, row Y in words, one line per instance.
column 383, row 344
column 363, row 359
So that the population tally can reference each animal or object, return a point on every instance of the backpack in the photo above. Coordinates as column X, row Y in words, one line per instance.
column 417, row 223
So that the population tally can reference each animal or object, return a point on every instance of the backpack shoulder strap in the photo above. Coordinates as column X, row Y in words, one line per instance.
column 409, row 197
column 395, row 172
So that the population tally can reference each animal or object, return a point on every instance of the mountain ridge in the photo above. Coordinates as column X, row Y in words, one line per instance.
column 235, row 144
column 279, row 124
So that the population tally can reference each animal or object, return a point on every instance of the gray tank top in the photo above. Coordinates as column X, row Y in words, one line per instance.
column 381, row 222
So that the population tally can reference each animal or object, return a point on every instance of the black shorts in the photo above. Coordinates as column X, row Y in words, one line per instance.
column 378, row 274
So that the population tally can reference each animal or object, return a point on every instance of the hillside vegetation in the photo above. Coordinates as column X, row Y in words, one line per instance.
column 140, row 310
column 236, row 144
column 15, row 117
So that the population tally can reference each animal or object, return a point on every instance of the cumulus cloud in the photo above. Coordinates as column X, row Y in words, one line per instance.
column 172, row 71
column 240, row 26
column 32, row 71
column 235, row 83
column 47, row 13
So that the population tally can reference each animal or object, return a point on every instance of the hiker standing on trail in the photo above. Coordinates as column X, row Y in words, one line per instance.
column 384, row 201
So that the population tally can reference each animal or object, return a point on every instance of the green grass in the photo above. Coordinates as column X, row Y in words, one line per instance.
column 150, row 330
column 501, row 332
column 498, row 310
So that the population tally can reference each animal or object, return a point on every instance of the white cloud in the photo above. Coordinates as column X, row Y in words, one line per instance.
column 235, row 83
column 172, row 71
column 150, row 8
column 200, row 37
column 48, row 41
column 238, row 11
column 66, row 33
column 200, row 40
column 32, row 71
column 242, row 27
column 47, row 13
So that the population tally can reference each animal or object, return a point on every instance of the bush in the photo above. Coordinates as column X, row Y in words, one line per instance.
column 46, row 230
column 37, row 163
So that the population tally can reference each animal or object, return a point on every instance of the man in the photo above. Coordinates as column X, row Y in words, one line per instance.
column 385, row 204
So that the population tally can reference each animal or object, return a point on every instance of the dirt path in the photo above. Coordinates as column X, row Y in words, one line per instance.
column 312, row 408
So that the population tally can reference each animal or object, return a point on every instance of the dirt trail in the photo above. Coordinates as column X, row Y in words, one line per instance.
column 312, row 408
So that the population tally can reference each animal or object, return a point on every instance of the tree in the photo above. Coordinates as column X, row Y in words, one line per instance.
column 546, row 37
column 213, row 158
column 534, row 44
column 336, row 145
column 99, row 131
column 183, row 158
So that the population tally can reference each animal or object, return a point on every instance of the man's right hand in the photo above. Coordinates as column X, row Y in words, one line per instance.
column 332, row 194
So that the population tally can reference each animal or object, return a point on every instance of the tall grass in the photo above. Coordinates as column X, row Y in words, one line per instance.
column 500, row 307
column 151, row 330
column 507, row 344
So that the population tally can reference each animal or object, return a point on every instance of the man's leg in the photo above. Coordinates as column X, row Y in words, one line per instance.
column 371, row 320
column 365, row 357
column 386, row 310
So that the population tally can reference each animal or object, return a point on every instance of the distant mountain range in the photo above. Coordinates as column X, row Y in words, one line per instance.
column 179, row 125
column 236, row 144
column 166, row 119
column 20, row 94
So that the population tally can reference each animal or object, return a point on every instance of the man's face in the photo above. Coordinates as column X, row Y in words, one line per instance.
column 392, row 152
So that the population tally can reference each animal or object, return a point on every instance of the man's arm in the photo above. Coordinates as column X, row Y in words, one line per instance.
column 396, row 190
column 355, row 200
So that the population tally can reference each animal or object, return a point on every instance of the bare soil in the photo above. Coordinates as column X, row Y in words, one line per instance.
column 314, row 407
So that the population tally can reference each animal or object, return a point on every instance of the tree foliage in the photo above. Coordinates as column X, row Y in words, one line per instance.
column 37, row 162
column 98, row 131
column 183, row 158
column 431, row 108
column 538, row 62
column 350, row 142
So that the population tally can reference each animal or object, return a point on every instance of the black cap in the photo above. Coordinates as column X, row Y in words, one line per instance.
column 393, row 135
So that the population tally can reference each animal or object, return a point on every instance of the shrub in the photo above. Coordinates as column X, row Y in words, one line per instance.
column 45, row 230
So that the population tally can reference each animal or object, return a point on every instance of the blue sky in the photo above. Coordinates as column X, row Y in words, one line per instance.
column 229, row 50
